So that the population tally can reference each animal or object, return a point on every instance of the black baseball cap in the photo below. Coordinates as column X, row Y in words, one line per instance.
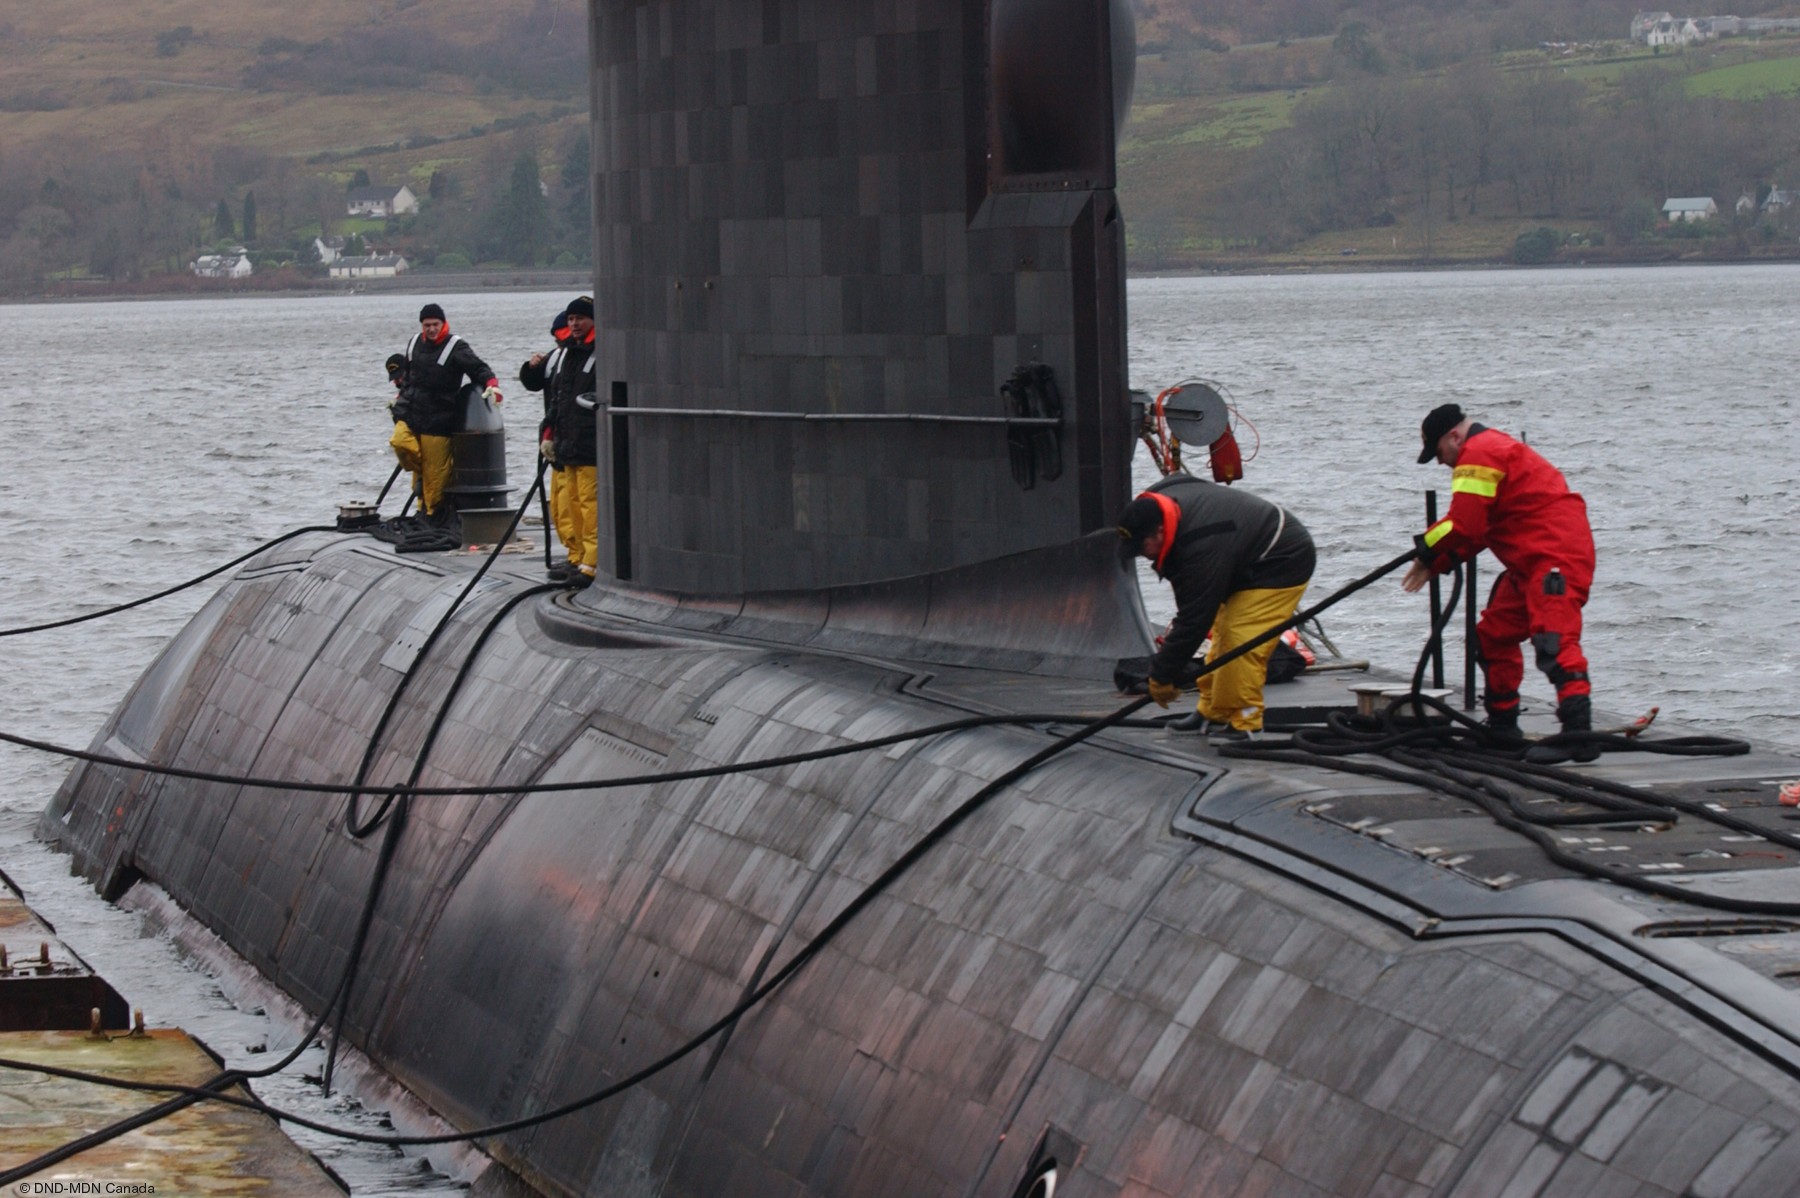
column 1438, row 421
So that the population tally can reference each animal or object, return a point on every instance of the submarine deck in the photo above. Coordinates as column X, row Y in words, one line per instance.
column 1145, row 933
column 1431, row 863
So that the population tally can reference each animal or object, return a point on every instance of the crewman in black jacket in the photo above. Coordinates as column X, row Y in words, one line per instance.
column 574, row 426
column 1239, row 565
column 427, row 409
column 535, row 375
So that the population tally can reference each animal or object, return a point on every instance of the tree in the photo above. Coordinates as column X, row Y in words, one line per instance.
column 249, row 216
column 359, row 179
column 578, row 184
column 222, row 226
column 518, row 226
column 1536, row 247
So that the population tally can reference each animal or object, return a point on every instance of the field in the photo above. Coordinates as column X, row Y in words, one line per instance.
column 1750, row 80
column 107, row 78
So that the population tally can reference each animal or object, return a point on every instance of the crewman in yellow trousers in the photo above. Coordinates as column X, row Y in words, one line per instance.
column 574, row 424
column 1239, row 565
column 536, row 374
column 426, row 412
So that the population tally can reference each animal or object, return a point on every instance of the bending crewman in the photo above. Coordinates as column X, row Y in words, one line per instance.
column 1239, row 565
column 1505, row 497
column 535, row 375
column 427, row 412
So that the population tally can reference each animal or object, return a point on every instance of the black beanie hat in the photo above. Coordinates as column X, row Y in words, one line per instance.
column 396, row 364
column 559, row 324
column 581, row 305
column 430, row 312
column 1141, row 517
column 1438, row 421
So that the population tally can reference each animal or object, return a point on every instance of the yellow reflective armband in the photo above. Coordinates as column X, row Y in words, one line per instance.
column 1476, row 480
column 1438, row 532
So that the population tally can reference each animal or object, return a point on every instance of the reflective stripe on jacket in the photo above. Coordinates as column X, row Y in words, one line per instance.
column 1506, row 497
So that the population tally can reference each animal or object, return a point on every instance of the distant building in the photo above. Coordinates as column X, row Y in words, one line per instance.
column 1675, row 31
column 329, row 249
column 376, row 266
column 1777, row 200
column 232, row 264
column 1687, row 208
column 380, row 201
column 1663, row 29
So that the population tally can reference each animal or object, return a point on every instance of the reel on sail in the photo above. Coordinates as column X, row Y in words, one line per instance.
column 1193, row 412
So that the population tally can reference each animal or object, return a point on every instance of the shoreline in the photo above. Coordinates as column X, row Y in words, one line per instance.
column 464, row 282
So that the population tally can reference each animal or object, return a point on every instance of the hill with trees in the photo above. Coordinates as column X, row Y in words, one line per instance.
column 1411, row 133
column 134, row 138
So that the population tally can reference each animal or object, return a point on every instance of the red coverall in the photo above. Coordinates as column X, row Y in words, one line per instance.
column 1507, row 498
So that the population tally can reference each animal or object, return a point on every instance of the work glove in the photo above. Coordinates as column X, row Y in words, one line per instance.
column 491, row 393
column 547, row 450
column 1162, row 693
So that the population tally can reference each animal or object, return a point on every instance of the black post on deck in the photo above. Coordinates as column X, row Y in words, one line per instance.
column 1437, row 600
column 1470, row 647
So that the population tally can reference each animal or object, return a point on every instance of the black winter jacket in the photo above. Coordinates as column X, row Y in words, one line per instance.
column 1226, row 541
column 434, row 377
column 575, row 428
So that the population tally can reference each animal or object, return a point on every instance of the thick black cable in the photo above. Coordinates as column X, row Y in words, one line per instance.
column 544, row 504
column 253, row 782
column 386, row 487
column 390, row 842
column 352, row 823
column 808, row 950
column 231, row 1077
column 167, row 591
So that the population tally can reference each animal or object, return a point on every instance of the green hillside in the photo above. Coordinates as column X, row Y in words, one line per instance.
column 1309, row 133
column 1328, row 152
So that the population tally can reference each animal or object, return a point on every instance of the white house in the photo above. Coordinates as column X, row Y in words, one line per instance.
column 380, row 201
column 1644, row 22
column 1674, row 31
column 1689, row 208
column 329, row 249
column 232, row 264
column 380, row 266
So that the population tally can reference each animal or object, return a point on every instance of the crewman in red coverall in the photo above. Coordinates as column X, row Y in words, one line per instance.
column 1505, row 497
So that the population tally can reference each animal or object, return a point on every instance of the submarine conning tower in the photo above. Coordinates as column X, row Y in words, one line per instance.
column 826, row 236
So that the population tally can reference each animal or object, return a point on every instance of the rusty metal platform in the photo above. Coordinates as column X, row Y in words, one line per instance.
column 208, row 1149
column 44, row 985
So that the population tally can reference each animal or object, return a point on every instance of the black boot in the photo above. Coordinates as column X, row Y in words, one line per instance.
column 1503, row 725
column 1575, row 742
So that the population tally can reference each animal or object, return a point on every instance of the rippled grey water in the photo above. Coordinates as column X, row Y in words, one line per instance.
column 146, row 442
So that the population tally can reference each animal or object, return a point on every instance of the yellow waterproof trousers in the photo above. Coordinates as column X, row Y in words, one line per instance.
column 562, row 512
column 584, row 500
column 1233, row 694
column 428, row 459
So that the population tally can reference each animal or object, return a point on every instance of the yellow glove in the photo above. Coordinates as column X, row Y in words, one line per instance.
column 1163, row 693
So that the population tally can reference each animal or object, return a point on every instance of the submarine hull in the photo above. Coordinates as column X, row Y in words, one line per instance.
column 1091, row 974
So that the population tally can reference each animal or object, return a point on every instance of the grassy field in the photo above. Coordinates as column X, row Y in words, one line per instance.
column 88, row 74
column 1749, row 80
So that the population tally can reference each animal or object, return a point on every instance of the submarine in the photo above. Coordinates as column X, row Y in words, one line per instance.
column 744, row 886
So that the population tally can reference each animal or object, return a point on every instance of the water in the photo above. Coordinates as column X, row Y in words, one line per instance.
column 149, row 441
